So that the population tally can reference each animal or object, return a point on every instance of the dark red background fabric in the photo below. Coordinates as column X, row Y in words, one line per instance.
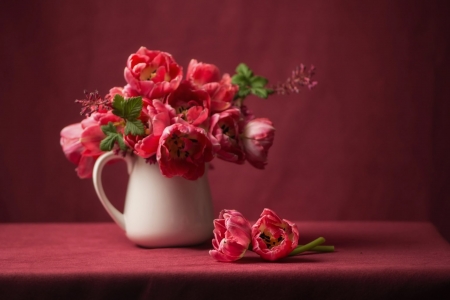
column 370, row 143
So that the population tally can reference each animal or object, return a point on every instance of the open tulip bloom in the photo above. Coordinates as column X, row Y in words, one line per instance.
column 270, row 237
column 181, row 124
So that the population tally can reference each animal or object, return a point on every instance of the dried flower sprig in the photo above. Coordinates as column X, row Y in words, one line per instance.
column 300, row 77
column 93, row 103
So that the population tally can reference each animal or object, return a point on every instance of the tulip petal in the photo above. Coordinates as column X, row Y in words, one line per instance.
column 232, row 236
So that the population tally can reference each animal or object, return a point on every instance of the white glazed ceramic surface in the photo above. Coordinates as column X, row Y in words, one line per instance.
column 159, row 211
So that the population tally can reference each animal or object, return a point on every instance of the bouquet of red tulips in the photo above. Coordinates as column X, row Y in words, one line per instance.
column 181, row 124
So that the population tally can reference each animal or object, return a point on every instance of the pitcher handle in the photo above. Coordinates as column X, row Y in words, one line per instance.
column 116, row 215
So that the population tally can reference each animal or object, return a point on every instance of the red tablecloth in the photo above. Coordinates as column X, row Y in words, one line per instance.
column 373, row 260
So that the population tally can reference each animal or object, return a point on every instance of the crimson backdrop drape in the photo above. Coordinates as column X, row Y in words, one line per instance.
column 370, row 143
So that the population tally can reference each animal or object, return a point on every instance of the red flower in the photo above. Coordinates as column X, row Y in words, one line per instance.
column 257, row 138
column 183, row 150
column 200, row 73
column 231, row 236
column 151, row 74
column 273, row 238
column 221, row 93
column 224, row 134
column 207, row 76
column 81, row 141
column 158, row 116
column 191, row 104
column 70, row 142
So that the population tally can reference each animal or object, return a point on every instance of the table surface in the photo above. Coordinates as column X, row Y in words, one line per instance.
column 374, row 260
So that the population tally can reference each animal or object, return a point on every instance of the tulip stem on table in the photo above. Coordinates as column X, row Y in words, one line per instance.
column 313, row 246
column 321, row 248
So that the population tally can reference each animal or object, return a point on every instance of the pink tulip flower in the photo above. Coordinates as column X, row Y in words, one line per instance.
column 81, row 141
column 151, row 74
column 258, row 135
column 207, row 76
column 70, row 142
column 200, row 73
column 183, row 151
column 75, row 150
column 273, row 238
column 159, row 117
column 221, row 93
column 232, row 236
column 191, row 104
column 224, row 134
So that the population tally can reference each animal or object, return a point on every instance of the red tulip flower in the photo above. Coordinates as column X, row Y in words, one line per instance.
column 224, row 134
column 231, row 236
column 272, row 237
column 258, row 135
column 152, row 74
column 183, row 151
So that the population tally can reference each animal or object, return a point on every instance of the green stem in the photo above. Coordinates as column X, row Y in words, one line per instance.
column 308, row 246
column 321, row 248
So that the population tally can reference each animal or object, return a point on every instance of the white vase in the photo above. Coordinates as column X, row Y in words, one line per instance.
column 159, row 211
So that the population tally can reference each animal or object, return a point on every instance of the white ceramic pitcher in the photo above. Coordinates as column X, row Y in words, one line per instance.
column 159, row 211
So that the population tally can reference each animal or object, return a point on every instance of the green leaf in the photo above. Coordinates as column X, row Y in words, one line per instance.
column 112, row 137
column 244, row 70
column 249, row 83
column 239, row 79
column 132, row 108
column 121, row 143
column 118, row 106
column 127, row 109
column 107, row 143
column 110, row 128
column 260, row 92
column 242, row 93
column 258, row 82
column 134, row 127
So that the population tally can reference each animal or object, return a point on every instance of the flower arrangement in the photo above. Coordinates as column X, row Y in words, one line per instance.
column 180, row 124
column 271, row 237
